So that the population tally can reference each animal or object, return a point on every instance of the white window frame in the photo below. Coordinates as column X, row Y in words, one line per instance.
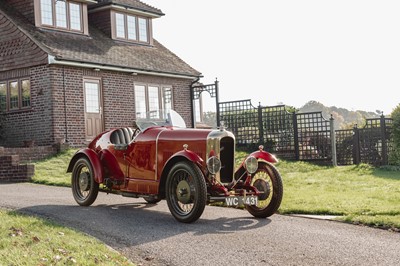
column 141, row 34
column 69, row 20
column 161, row 97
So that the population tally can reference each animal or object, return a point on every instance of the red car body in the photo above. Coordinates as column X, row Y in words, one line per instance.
column 188, row 167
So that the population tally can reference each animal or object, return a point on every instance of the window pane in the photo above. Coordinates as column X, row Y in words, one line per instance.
column 154, row 103
column 92, row 97
column 167, row 98
column 3, row 97
column 131, row 27
column 46, row 12
column 120, row 25
column 61, row 14
column 75, row 16
column 14, row 95
column 143, row 30
column 26, row 93
column 140, row 101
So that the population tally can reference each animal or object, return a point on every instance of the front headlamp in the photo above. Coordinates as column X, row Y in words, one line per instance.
column 213, row 165
column 251, row 164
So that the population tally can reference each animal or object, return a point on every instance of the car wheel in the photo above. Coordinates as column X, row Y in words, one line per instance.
column 84, row 187
column 268, row 181
column 186, row 192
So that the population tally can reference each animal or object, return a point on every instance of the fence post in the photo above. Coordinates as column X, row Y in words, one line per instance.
column 296, row 137
column 217, row 102
column 260, row 124
column 333, row 141
column 356, row 145
column 385, row 159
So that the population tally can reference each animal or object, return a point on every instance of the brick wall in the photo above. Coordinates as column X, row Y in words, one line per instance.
column 34, row 123
column 28, row 154
column 118, row 100
column 12, row 171
column 51, row 120
column 101, row 20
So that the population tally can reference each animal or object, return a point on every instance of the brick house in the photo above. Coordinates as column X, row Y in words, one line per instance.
column 73, row 68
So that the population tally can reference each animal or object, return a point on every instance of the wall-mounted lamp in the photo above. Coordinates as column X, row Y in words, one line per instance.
column 96, row 69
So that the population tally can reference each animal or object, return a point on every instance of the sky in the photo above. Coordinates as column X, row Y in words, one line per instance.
column 343, row 53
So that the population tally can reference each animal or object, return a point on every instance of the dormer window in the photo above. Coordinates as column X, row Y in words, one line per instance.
column 130, row 27
column 62, row 15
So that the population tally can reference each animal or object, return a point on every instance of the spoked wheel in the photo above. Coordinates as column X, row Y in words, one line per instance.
column 186, row 192
column 84, row 188
column 268, row 181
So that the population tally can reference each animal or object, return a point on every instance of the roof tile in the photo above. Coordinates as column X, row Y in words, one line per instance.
column 98, row 48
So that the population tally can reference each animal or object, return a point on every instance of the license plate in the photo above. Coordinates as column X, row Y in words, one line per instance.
column 241, row 201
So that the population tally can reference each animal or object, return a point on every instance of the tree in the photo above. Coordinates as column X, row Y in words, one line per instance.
column 395, row 155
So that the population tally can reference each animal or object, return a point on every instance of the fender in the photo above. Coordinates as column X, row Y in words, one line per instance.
column 184, row 154
column 188, row 154
column 261, row 156
column 111, row 164
column 93, row 159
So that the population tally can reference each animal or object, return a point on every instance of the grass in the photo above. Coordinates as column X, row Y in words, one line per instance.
column 26, row 240
column 53, row 170
column 359, row 194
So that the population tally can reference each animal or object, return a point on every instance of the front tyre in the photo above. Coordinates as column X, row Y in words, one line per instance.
column 84, row 187
column 186, row 192
column 268, row 181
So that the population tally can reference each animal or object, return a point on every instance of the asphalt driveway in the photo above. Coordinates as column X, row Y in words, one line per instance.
column 149, row 235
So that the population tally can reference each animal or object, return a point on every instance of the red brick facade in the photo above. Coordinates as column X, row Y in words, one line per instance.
column 12, row 170
column 29, row 154
column 47, row 122
column 57, row 107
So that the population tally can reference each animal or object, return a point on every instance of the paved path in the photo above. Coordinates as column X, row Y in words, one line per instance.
column 149, row 235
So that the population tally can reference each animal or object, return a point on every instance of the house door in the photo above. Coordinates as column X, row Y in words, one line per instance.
column 93, row 108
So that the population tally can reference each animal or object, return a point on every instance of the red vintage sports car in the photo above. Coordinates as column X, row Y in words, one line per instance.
column 159, row 158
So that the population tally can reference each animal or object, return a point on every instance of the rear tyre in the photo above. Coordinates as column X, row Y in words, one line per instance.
column 268, row 180
column 84, row 187
column 186, row 192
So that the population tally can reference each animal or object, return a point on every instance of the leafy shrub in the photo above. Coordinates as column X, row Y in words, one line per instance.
column 395, row 155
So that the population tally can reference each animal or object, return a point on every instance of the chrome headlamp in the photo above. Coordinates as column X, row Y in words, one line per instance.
column 251, row 164
column 213, row 165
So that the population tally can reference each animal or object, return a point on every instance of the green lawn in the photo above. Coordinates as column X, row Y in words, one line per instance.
column 53, row 170
column 358, row 194
column 26, row 240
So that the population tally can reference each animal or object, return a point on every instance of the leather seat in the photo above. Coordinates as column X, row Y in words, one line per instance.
column 122, row 136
